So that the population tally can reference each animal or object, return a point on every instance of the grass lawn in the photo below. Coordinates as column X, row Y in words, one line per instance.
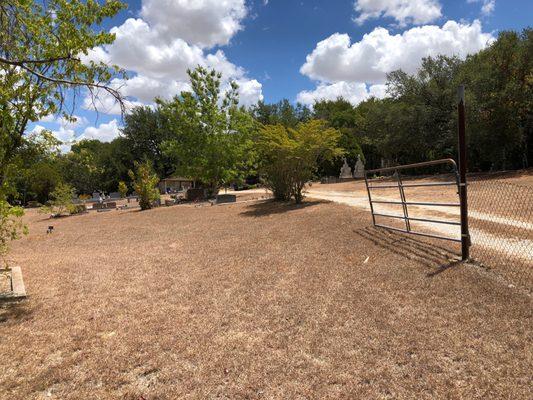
column 256, row 301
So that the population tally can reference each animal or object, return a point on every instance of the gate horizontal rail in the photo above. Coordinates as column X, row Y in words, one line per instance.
column 405, row 204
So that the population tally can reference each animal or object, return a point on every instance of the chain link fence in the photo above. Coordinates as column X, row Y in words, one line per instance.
column 501, row 228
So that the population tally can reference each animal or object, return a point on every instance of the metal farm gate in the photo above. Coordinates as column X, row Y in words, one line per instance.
column 372, row 186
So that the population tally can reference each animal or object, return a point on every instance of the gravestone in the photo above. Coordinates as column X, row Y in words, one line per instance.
column 359, row 170
column 114, row 195
column 226, row 198
column 195, row 194
column 346, row 171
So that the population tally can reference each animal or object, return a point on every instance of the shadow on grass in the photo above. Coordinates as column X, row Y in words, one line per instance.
column 13, row 311
column 432, row 255
column 271, row 207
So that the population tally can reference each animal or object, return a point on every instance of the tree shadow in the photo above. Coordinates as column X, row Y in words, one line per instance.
column 13, row 310
column 272, row 207
column 437, row 257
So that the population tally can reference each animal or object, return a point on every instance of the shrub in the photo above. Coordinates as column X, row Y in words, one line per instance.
column 122, row 189
column 145, row 184
column 289, row 157
column 11, row 226
column 61, row 200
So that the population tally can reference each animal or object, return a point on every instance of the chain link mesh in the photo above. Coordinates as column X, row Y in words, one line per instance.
column 501, row 228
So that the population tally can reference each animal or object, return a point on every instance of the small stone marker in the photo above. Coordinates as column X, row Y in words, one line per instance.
column 346, row 171
column 359, row 170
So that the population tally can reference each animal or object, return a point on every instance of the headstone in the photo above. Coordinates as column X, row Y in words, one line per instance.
column 226, row 198
column 114, row 195
column 346, row 171
column 359, row 170
column 111, row 204
column 98, row 206
column 195, row 194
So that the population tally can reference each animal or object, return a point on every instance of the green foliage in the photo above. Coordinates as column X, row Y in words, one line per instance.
column 11, row 226
column 211, row 136
column 499, row 83
column 282, row 113
column 40, row 48
column 61, row 201
column 341, row 115
column 289, row 157
column 145, row 130
column 122, row 189
column 145, row 184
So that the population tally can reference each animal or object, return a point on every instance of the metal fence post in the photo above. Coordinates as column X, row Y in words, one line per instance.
column 465, row 235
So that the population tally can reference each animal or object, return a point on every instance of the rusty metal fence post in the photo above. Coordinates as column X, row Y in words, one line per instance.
column 463, row 197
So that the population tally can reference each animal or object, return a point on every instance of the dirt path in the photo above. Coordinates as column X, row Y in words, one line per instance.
column 511, row 246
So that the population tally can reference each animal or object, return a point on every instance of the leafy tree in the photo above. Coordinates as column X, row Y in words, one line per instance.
column 289, row 157
column 11, row 226
column 211, row 135
column 145, row 130
column 341, row 115
column 499, row 83
column 61, row 200
column 122, row 189
column 145, row 184
column 283, row 113
column 41, row 46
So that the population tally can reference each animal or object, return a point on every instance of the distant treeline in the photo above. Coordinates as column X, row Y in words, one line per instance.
column 416, row 122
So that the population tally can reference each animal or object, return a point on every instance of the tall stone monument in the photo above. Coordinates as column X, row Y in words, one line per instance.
column 359, row 170
column 346, row 171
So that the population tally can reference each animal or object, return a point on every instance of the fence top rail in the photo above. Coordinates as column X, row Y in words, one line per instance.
column 408, row 166
column 413, row 185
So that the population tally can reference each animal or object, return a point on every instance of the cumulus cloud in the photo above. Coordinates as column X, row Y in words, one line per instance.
column 161, row 65
column 487, row 6
column 171, row 37
column 105, row 132
column 354, row 92
column 205, row 23
column 403, row 11
column 357, row 71
column 336, row 59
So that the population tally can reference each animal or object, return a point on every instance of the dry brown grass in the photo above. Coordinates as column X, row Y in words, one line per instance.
column 255, row 300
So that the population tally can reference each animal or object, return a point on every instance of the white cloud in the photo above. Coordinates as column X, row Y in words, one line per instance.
column 77, row 122
column 403, row 11
column 104, row 132
column 168, row 40
column 354, row 92
column 336, row 59
column 205, row 23
column 487, row 6
column 250, row 91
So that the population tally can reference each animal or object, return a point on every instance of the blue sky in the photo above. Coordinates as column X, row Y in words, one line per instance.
column 302, row 50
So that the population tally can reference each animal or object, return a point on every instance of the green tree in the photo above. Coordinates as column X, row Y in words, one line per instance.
column 11, row 226
column 145, row 184
column 341, row 115
column 61, row 200
column 145, row 130
column 41, row 46
column 282, row 113
column 289, row 157
column 122, row 189
column 499, row 89
column 211, row 136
